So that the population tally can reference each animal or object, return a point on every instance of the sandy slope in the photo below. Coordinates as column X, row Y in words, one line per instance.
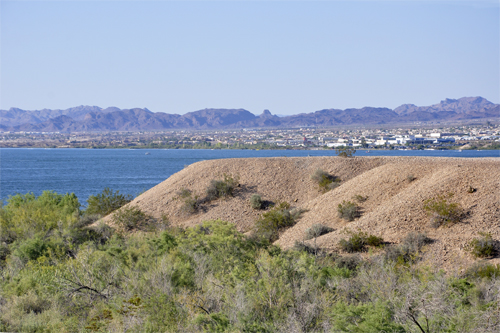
column 393, row 207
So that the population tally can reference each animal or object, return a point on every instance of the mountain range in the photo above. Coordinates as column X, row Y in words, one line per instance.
column 96, row 119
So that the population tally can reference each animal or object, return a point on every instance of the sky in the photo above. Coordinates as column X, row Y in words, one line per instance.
column 288, row 57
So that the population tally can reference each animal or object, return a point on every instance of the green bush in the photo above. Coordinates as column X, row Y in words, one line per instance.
column 482, row 270
column 442, row 211
column 32, row 249
column 106, row 202
column 348, row 210
column 482, row 247
column 325, row 181
column 345, row 151
column 130, row 218
column 364, row 318
column 256, row 201
column 358, row 241
column 278, row 218
column 26, row 216
column 222, row 188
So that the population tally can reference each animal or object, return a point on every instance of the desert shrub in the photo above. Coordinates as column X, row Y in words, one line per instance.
column 482, row 270
column 364, row 317
column 360, row 198
column 301, row 246
column 32, row 249
column 106, row 202
column 325, row 181
column 256, row 201
column 348, row 210
column 221, row 188
column 373, row 240
column 350, row 262
column 355, row 243
column 442, row 211
column 358, row 241
column 415, row 241
column 345, row 151
column 4, row 252
column 399, row 254
column 408, row 250
column 278, row 218
column 184, row 193
column 317, row 230
column 410, row 178
column 25, row 216
column 130, row 218
column 103, row 232
column 191, row 204
column 86, row 220
column 481, row 247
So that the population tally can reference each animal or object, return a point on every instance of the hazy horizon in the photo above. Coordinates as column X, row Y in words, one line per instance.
column 287, row 57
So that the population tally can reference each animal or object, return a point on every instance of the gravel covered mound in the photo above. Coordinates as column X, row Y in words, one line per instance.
column 393, row 205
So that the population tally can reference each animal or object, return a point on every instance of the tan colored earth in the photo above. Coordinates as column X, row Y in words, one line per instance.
column 394, row 205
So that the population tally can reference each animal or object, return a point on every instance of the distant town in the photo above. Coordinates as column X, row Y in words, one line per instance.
column 486, row 136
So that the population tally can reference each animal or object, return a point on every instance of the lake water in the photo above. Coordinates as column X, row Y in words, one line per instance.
column 89, row 171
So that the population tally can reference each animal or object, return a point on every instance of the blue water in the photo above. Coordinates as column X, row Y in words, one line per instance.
column 88, row 171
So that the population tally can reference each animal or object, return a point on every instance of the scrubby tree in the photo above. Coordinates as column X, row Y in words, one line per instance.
column 106, row 202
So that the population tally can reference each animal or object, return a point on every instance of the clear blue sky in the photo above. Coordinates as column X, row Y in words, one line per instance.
column 286, row 56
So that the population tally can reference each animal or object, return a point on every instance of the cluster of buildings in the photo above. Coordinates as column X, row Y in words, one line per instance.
column 298, row 138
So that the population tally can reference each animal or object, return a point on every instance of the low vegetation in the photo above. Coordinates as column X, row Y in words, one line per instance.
column 442, row 211
column 278, row 218
column 348, row 211
column 256, row 201
column 482, row 247
column 59, row 272
column 317, row 230
column 360, row 198
column 325, row 181
column 358, row 241
column 106, row 202
column 221, row 188
column 407, row 252
column 190, row 202
column 132, row 218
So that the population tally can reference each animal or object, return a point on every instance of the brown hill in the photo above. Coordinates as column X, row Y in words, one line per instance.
column 394, row 206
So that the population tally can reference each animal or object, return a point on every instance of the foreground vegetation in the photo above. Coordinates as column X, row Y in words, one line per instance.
column 61, row 271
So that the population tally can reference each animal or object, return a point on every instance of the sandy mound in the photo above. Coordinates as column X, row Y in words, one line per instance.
column 393, row 207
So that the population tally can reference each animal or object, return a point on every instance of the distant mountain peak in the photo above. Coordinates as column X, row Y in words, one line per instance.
column 266, row 114
column 94, row 118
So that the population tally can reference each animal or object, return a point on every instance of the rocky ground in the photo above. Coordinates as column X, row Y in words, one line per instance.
column 393, row 208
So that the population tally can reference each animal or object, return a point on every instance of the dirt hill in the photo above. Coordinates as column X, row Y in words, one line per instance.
column 394, row 204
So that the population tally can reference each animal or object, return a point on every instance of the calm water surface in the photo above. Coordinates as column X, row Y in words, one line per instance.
column 89, row 171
